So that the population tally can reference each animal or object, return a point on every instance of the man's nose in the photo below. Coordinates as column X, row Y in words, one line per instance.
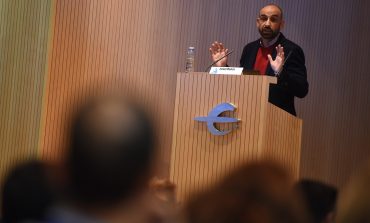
column 268, row 22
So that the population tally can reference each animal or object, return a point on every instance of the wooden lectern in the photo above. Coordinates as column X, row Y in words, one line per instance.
column 199, row 159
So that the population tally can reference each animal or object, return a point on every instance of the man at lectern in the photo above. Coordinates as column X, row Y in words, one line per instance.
column 273, row 55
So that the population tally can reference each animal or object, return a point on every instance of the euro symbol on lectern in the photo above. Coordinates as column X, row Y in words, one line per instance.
column 214, row 117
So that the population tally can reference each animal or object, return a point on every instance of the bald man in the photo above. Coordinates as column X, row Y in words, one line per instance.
column 274, row 55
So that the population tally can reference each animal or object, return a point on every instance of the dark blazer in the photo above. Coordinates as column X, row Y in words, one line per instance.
column 292, row 81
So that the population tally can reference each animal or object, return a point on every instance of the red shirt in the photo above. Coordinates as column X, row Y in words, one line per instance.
column 262, row 60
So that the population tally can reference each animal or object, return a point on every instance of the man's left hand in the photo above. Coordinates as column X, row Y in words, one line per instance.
column 278, row 63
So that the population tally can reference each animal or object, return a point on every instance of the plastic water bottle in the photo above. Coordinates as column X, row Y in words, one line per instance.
column 190, row 60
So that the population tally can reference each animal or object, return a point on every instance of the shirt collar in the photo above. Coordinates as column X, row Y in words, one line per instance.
column 271, row 43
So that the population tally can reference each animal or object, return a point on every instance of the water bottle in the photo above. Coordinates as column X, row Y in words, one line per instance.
column 190, row 60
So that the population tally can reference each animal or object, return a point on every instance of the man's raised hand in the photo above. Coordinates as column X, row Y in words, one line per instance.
column 278, row 63
column 217, row 51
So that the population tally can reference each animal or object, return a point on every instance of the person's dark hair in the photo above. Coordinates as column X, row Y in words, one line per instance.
column 27, row 193
column 110, row 152
column 319, row 197
column 255, row 193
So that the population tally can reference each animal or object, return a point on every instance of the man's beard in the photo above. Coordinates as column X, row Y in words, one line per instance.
column 268, row 33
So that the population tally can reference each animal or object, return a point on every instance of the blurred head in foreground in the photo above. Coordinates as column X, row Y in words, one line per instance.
column 110, row 154
column 354, row 202
column 320, row 200
column 27, row 194
column 255, row 193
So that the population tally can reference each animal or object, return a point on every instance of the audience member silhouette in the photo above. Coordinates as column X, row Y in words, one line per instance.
column 320, row 200
column 27, row 194
column 255, row 193
column 108, row 164
column 354, row 200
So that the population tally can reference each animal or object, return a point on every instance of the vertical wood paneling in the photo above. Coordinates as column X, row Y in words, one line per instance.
column 139, row 46
column 24, row 33
column 335, row 129
column 199, row 158
column 282, row 139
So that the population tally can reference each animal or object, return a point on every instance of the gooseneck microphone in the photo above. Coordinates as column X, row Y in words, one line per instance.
column 230, row 52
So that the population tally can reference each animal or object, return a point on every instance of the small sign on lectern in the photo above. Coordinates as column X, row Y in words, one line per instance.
column 226, row 70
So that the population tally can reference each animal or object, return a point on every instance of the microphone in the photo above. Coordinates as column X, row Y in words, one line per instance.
column 230, row 52
column 277, row 74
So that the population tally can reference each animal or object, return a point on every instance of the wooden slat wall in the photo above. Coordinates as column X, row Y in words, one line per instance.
column 336, row 121
column 24, row 33
column 141, row 45
column 108, row 45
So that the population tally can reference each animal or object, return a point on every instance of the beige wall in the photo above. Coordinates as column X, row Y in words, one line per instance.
column 138, row 46
column 24, row 32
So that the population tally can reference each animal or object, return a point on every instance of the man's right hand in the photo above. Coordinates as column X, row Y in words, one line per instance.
column 217, row 51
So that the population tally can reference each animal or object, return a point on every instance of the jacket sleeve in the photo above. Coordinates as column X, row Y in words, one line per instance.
column 293, row 77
